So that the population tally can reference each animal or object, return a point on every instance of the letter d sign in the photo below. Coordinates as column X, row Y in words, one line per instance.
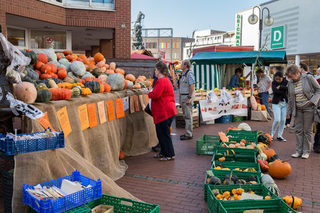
column 277, row 37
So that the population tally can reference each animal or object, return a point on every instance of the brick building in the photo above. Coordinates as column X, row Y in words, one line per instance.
column 78, row 25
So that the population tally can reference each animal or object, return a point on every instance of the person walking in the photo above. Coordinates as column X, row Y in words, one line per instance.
column 303, row 96
column 316, row 144
column 264, row 85
column 234, row 81
column 163, row 110
column 279, row 104
column 186, row 89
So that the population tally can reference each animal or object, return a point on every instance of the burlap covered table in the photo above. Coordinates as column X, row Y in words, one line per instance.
column 94, row 151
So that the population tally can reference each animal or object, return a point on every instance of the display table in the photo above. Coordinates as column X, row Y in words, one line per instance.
column 93, row 151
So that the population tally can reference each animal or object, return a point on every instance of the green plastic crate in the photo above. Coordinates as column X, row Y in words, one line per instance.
column 238, row 151
column 207, row 144
column 238, row 135
column 235, row 158
column 221, row 173
column 240, row 165
column 237, row 118
column 268, row 206
column 213, row 202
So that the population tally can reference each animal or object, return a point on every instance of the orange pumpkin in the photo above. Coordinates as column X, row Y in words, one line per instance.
column 279, row 169
column 268, row 136
column 269, row 152
column 70, row 58
column 107, row 87
column 120, row 71
column 121, row 155
column 53, row 67
column 101, row 87
column 263, row 107
column 39, row 64
column 113, row 66
column 67, row 52
column 43, row 58
column 60, row 93
column 223, row 137
column 136, row 86
column 110, row 71
column 44, row 76
column 125, row 84
column 98, row 57
column 130, row 77
column 62, row 73
column 46, row 69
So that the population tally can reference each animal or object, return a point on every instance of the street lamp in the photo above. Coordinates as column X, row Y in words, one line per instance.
column 253, row 19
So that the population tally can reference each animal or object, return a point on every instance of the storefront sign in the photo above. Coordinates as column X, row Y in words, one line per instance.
column 238, row 29
column 277, row 37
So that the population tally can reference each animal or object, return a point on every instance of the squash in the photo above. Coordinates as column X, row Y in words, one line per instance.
column 41, row 86
column 121, row 155
column 130, row 77
column 107, row 87
column 136, row 86
column 292, row 201
column 87, row 75
column 142, row 77
column 147, row 83
column 62, row 73
column 67, row 52
column 43, row 96
column 60, row 94
column 269, row 152
column 279, row 169
column 53, row 67
column 46, row 69
column 78, row 68
column 223, row 137
column 125, row 84
column 94, row 86
column 69, row 79
column 269, row 137
column 103, row 78
column 39, row 65
column 98, row 57
column 43, row 58
column 86, row 91
column 44, row 76
column 110, row 71
column 101, row 87
column 101, row 64
column 26, row 92
column 129, row 84
column 33, row 56
column 59, row 56
column 113, row 66
column 76, row 91
column 263, row 107
column 120, row 71
column 96, row 72
column 263, row 165
column 65, row 85
column 52, row 83
column 116, row 81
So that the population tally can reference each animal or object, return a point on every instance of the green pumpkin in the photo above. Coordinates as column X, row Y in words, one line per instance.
column 96, row 72
column 45, row 81
column 94, row 86
column 56, row 80
column 41, row 86
column 33, row 56
column 76, row 91
column 43, row 96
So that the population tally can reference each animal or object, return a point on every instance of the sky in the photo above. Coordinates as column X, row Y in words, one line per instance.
column 184, row 16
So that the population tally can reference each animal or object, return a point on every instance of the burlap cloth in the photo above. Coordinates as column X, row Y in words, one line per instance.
column 94, row 151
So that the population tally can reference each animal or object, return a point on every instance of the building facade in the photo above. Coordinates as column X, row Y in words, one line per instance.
column 79, row 25
column 167, row 48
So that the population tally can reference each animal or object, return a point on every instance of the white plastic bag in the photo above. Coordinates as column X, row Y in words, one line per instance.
column 225, row 97
column 211, row 97
column 239, row 97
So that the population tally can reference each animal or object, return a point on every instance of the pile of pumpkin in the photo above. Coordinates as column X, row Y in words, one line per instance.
column 221, row 167
column 234, row 195
column 60, row 76
column 229, row 179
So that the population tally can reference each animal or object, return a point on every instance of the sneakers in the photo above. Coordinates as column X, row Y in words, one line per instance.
column 281, row 139
column 305, row 156
column 167, row 158
column 293, row 127
column 296, row 155
column 157, row 156
column 185, row 137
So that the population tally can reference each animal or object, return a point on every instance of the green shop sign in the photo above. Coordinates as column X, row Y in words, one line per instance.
column 238, row 29
column 277, row 37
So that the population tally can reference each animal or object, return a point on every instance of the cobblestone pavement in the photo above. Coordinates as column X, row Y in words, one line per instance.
column 177, row 186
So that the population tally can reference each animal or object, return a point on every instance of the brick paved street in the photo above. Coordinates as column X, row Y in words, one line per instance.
column 177, row 186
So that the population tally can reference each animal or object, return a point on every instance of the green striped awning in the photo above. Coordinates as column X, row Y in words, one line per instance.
column 208, row 76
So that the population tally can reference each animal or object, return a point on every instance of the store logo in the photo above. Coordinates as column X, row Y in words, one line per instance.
column 238, row 29
column 277, row 37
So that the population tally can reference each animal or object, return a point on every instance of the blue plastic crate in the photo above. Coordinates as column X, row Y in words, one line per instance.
column 67, row 202
column 11, row 147
column 224, row 119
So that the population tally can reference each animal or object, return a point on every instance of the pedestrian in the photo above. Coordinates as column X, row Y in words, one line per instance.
column 305, row 69
column 186, row 90
column 317, row 76
column 234, row 81
column 264, row 85
column 279, row 104
column 163, row 109
column 316, row 144
column 303, row 96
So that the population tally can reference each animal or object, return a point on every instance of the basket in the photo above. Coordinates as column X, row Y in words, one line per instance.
column 221, row 173
column 12, row 147
column 224, row 119
column 249, row 158
column 268, row 206
column 237, row 151
column 238, row 135
column 240, row 165
column 237, row 118
column 207, row 144
column 213, row 202
column 67, row 202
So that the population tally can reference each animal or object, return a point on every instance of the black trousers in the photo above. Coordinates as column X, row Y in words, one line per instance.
column 163, row 134
column 316, row 145
column 288, row 121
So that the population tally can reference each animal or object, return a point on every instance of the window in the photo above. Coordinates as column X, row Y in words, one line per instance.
column 17, row 37
column 46, row 39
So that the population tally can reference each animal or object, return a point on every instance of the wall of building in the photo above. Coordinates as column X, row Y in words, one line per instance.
column 120, row 19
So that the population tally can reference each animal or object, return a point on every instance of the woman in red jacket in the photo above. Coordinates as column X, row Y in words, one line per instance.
column 163, row 109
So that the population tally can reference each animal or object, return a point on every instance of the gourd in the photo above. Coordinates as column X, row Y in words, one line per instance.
column 136, row 86
column 223, row 137
column 292, row 201
column 65, row 85
column 96, row 72
column 53, row 67
column 76, row 91
column 269, row 152
column 279, row 169
column 121, row 155
column 33, row 56
column 52, row 83
column 31, row 73
column 60, row 93
column 101, row 64
column 87, row 75
column 263, row 165
column 116, row 81
column 270, row 184
column 65, row 63
column 113, row 66
column 26, row 92
column 107, row 87
column 43, row 96
column 69, row 79
column 101, row 87
column 120, row 71
column 67, row 52
column 46, row 69
column 86, row 91
column 41, row 86
column 244, row 126
column 94, row 86
column 263, row 107
column 39, row 65
column 129, row 84
column 98, row 57
column 110, row 71
column 62, row 73
column 43, row 58
column 78, row 68
column 130, row 77
column 103, row 78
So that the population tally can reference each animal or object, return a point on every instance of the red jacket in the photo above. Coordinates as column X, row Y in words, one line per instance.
column 163, row 105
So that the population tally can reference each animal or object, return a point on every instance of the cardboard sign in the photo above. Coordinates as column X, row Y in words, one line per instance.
column 147, row 98
column 119, row 108
column 44, row 121
column 83, row 117
column 125, row 101
column 92, row 115
column 63, row 118
column 142, row 102
column 132, row 104
column 102, row 112
column 136, row 104
column 110, row 110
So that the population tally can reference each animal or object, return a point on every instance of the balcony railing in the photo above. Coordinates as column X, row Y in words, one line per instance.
column 84, row 4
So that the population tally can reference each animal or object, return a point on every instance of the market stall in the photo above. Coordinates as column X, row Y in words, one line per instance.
column 98, row 111
column 213, row 71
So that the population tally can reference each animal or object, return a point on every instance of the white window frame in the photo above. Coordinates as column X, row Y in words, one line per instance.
column 26, row 36
column 68, row 39
column 89, row 6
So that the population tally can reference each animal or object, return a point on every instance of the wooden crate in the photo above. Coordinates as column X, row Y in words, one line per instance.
column 180, row 122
